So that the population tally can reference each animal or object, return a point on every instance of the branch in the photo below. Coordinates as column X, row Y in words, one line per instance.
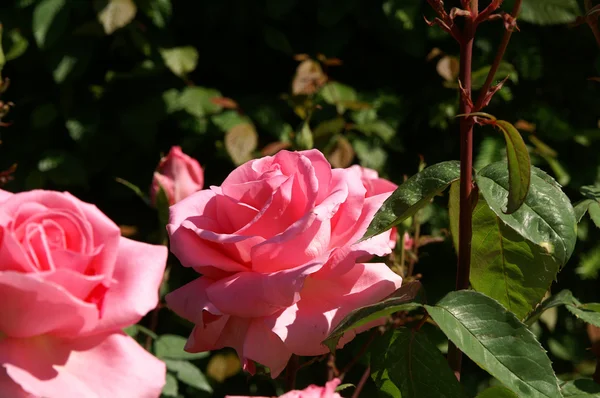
column 499, row 55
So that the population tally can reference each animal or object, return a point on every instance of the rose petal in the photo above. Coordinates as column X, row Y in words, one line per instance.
column 78, row 285
column 4, row 195
column 322, row 172
column 138, row 273
column 345, row 219
column 29, row 306
column 108, row 365
column 10, row 389
column 324, row 304
column 191, row 300
column 205, row 337
column 251, row 294
column 265, row 347
column 304, row 240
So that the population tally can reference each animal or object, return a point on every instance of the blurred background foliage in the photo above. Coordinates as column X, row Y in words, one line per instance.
column 101, row 88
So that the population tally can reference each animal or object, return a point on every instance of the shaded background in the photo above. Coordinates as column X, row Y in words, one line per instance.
column 102, row 88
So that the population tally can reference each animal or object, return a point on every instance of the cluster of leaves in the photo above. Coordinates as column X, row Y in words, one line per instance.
column 103, row 87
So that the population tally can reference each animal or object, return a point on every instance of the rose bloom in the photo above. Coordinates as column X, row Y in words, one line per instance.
column 312, row 391
column 179, row 176
column 276, row 245
column 68, row 284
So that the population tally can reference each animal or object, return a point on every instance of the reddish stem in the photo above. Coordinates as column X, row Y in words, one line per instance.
column 496, row 64
column 362, row 382
column 466, row 175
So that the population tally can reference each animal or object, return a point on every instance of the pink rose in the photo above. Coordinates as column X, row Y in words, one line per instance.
column 312, row 391
column 179, row 176
column 68, row 284
column 276, row 244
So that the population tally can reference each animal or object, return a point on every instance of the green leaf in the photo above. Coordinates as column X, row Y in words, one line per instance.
column 414, row 194
column 504, row 69
column 49, row 21
column 546, row 218
column 549, row 12
column 116, row 14
column 171, row 388
column 491, row 150
column 371, row 156
column 18, row 45
column 519, row 166
column 330, row 127
column 344, row 386
column 496, row 341
column 159, row 11
column 594, row 211
column 506, row 267
column 197, row 101
column 406, row 364
column 170, row 346
column 589, row 264
column 562, row 298
column 581, row 208
column 406, row 298
column 188, row 373
column 589, row 313
column 180, row 60
column 582, row 388
column 338, row 94
column 240, row 141
column 497, row 392
column 454, row 212
column 378, row 128
column 304, row 139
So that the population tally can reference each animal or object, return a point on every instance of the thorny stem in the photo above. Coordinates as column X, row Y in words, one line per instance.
column 290, row 372
column 362, row 382
column 466, row 173
column 496, row 64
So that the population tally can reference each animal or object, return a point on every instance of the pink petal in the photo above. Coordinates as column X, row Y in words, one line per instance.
column 4, row 195
column 10, row 389
column 190, row 301
column 138, row 273
column 108, row 365
column 345, row 219
column 324, row 303
column 251, row 294
column 265, row 347
column 29, row 306
column 322, row 172
column 77, row 284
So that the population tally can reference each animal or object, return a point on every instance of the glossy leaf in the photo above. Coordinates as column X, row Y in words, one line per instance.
column 497, row 341
column 564, row 297
column 519, row 166
column 407, row 298
column 507, row 267
column 405, row 363
column 594, row 211
column 497, row 392
column 412, row 195
column 171, row 346
column 581, row 388
column 546, row 218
